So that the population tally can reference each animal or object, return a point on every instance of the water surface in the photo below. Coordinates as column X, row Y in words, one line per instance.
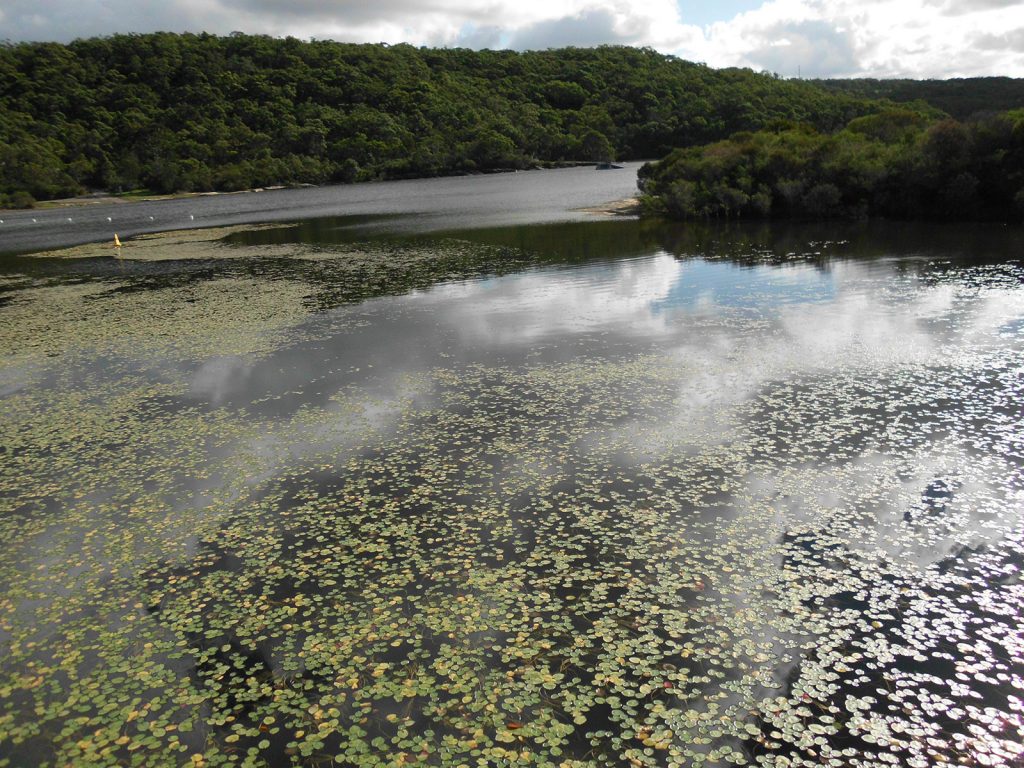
column 582, row 493
column 420, row 204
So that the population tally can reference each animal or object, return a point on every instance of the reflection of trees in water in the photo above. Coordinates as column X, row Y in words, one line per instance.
column 915, row 247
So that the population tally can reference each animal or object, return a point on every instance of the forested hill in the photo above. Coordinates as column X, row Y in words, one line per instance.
column 172, row 112
column 961, row 98
column 894, row 164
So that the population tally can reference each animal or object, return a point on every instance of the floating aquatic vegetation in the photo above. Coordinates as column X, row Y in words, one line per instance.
column 166, row 246
column 793, row 540
column 231, row 316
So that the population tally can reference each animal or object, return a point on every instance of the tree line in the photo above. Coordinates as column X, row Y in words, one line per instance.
column 898, row 163
column 168, row 112
column 960, row 97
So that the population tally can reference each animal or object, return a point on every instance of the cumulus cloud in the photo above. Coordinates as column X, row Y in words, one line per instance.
column 960, row 7
column 826, row 49
column 878, row 38
column 65, row 20
column 818, row 38
column 1012, row 40
column 588, row 29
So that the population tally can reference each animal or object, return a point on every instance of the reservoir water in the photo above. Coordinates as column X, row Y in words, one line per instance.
column 512, row 485
column 419, row 204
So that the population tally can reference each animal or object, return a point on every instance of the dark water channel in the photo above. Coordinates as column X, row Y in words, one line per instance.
column 588, row 492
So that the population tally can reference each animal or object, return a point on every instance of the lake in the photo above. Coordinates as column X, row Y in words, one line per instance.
column 418, row 205
column 481, row 480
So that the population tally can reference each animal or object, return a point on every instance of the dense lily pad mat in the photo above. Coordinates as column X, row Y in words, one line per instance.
column 769, row 542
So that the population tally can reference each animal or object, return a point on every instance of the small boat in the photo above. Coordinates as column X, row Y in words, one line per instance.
column 606, row 166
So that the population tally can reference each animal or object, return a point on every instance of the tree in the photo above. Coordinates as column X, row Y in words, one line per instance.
column 597, row 147
column 179, row 112
column 909, row 168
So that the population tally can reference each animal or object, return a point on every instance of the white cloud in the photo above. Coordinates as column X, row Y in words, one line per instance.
column 622, row 295
column 879, row 38
column 960, row 7
column 912, row 38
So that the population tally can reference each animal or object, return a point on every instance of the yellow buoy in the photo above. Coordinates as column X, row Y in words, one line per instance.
column 117, row 242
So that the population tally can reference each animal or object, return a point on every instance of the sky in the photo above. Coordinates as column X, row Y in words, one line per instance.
column 809, row 38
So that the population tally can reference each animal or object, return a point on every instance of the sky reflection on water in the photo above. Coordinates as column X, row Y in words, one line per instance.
column 624, row 494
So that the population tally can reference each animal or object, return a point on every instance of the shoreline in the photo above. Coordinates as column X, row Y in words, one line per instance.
column 626, row 207
column 204, row 242
column 417, row 204
column 101, row 197
column 105, row 198
column 207, row 242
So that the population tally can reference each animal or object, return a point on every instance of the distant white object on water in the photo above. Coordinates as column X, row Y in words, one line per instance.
column 109, row 219
column 191, row 217
column 34, row 221
column 150, row 218
column 70, row 219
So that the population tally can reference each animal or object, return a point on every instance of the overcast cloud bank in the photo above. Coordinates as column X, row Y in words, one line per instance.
column 815, row 38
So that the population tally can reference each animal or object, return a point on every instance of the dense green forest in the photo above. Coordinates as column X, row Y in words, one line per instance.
column 899, row 163
column 959, row 97
column 170, row 112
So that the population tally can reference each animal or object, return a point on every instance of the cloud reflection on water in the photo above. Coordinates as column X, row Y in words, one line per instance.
column 747, row 433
